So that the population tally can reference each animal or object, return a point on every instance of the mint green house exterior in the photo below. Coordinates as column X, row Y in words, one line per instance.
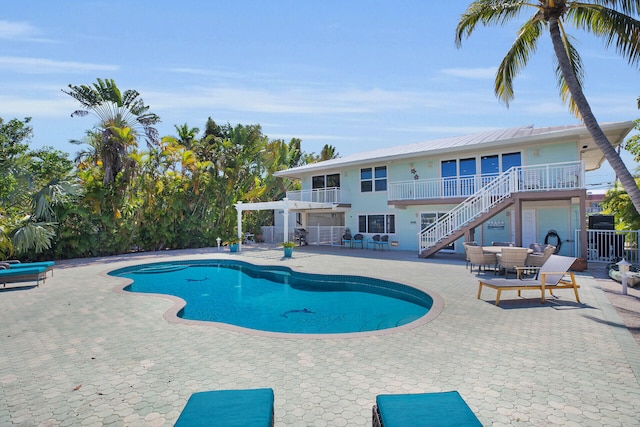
column 515, row 185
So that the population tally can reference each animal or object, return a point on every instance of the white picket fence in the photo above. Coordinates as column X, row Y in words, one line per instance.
column 610, row 245
column 316, row 235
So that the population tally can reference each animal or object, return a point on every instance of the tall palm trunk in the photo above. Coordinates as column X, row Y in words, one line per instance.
column 589, row 120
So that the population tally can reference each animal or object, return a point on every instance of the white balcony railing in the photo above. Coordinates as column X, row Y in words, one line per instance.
column 319, row 195
column 556, row 176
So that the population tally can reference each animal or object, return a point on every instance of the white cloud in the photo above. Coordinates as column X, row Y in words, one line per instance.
column 293, row 100
column 46, row 66
column 42, row 107
column 17, row 30
column 471, row 73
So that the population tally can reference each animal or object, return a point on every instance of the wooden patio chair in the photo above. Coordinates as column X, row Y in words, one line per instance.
column 551, row 276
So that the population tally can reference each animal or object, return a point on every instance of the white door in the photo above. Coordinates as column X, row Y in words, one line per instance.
column 529, row 231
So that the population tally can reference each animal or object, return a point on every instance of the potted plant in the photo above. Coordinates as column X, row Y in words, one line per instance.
column 233, row 243
column 288, row 248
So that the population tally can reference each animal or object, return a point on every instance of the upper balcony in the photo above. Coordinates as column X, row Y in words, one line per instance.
column 549, row 177
column 333, row 195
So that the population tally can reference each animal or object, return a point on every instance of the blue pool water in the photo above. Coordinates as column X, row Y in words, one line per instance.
column 277, row 299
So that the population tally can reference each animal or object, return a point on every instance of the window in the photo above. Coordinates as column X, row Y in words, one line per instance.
column 509, row 160
column 325, row 181
column 317, row 182
column 373, row 179
column 333, row 181
column 377, row 224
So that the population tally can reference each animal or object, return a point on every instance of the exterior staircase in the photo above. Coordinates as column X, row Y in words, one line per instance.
column 472, row 212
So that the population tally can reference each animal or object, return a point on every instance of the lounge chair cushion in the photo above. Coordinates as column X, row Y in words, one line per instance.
column 22, row 271
column 46, row 264
column 230, row 408
column 432, row 409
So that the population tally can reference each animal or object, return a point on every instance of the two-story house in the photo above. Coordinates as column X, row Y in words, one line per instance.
column 517, row 184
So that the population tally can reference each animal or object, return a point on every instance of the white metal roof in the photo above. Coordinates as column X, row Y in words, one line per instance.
column 290, row 205
column 517, row 136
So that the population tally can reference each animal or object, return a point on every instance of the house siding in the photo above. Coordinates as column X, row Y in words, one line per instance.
column 423, row 161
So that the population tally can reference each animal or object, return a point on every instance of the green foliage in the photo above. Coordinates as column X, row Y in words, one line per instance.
column 618, row 203
column 178, row 193
column 632, row 144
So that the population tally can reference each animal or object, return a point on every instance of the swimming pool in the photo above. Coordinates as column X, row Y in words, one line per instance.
column 278, row 299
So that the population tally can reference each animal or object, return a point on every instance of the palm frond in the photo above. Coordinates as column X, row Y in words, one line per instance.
column 630, row 7
column 614, row 26
column 33, row 236
column 517, row 58
column 487, row 12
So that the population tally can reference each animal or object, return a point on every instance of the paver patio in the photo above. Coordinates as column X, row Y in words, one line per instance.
column 74, row 352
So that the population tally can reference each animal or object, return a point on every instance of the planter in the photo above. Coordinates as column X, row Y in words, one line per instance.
column 288, row 252
column 233, row 247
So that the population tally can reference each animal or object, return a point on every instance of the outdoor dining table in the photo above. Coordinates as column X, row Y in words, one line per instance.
column 498, row 249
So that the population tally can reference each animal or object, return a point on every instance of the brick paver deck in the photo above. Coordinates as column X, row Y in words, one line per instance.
column 75, row 353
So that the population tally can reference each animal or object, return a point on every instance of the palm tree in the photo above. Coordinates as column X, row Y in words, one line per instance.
column 608, row 19
column 186, row 135
column 328, row 152
column 117, row 112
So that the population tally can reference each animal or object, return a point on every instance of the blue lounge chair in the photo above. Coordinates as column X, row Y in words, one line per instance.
column 427, row 409
column 12, row 275
column 229, row 408
column 17, row 264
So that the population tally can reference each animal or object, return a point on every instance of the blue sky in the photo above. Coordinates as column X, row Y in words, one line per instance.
column 355, row 74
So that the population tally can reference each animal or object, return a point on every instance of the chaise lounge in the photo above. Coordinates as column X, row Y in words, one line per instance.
column 14, row 264
column 229, row 408
column 13, row 275
column 427, row 409
column 551, row 276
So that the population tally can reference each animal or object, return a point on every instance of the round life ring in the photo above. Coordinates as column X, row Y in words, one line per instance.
column 553, row 234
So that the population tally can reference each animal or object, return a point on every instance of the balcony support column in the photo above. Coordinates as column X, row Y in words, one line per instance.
column 517, row 217
column 583, row 225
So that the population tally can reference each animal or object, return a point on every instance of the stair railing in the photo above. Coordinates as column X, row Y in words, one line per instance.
column 472, row 207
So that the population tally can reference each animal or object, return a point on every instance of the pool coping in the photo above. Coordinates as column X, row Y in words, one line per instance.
column 171, row 314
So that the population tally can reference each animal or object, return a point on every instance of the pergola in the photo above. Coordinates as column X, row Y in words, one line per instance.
column 285, row 205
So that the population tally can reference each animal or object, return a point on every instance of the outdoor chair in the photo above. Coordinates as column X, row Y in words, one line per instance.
column 358, row 239
column 384, row 241
column 24, row 274
column 511, row 259
column 300, row 235
column 426, row 409
column 537, row 248
column 478, row 257
column 347, row 239
column 466, row 254
column 538, row 259
column 551, row 276
column 503, row 244
column 13, row 264
column 373, row 241
column 229, row 408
